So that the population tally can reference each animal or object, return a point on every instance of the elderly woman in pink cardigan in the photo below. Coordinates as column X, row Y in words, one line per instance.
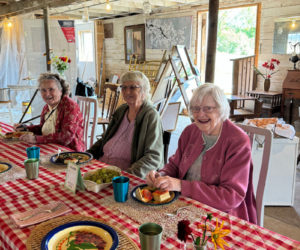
column 212, row 163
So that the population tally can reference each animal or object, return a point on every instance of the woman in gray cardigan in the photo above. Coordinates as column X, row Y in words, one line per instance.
column 133, row 140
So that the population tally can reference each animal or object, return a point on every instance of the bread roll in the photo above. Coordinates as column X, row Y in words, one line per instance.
column 161, row 195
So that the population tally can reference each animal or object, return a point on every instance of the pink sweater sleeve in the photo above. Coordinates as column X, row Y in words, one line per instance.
column 233, row 181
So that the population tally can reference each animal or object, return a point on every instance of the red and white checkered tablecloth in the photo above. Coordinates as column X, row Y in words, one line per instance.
column 22, row 195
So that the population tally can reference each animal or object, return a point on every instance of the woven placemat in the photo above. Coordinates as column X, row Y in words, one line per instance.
column 46, row 163
column 142, row 213
column 12, row 174
column 39, row 232
column 10, row 141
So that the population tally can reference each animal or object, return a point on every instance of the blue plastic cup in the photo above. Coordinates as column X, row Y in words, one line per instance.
column 121, row 186
column 33, row 152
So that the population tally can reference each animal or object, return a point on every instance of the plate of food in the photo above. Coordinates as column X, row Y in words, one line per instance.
column 4, row 167
column 74, row 157
column 81, row 235
column 153, row 196
column 15, row 135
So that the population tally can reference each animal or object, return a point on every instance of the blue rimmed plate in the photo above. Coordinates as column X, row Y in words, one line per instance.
column 4, row 167
column 81, row 235
column 82, row 157
column 174, row 195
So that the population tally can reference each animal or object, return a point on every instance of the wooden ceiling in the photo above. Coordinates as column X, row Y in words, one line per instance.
column 96, row 8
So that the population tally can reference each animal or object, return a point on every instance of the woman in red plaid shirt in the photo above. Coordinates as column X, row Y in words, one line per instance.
column 61, row 119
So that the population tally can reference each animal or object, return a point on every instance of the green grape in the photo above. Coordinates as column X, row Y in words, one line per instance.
column 103, row 175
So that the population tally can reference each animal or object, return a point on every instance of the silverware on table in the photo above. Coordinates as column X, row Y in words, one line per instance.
column 42, row 211
column 176, row 212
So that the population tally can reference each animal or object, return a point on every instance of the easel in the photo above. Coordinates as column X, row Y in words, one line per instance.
column 32, row 98
column 178, row 68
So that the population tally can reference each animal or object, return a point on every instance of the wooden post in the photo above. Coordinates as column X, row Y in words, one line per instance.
column 212, row 40
column 100, row 63
column 47, row 36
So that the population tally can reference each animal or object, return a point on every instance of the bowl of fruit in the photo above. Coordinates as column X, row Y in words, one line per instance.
column 100, row 178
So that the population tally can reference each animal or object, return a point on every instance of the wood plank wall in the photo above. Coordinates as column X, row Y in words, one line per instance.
column 271, row 10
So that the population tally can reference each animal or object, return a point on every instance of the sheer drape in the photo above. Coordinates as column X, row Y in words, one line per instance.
column 11, row 52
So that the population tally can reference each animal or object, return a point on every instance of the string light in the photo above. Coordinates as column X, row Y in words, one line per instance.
column 293, row 25
column 7, row 22
column 108, row 6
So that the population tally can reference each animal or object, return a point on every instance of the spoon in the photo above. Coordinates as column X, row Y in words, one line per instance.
column 58, row 152
column 176, row 212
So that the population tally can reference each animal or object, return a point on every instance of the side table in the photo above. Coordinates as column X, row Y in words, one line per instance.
column 271, row 100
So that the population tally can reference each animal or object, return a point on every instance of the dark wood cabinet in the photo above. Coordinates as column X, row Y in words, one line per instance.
column 290, row 90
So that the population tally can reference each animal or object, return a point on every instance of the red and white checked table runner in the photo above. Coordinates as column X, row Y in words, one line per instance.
column 22, row 195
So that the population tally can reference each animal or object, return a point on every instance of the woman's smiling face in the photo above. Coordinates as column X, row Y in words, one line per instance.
column 50, row 92
column 132, row 93
column 207, row 116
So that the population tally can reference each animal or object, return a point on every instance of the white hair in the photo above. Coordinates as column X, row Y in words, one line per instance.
column 209, row 89
column 137, row 76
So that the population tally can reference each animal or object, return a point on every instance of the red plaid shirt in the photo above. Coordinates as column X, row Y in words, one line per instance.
column 68, row 127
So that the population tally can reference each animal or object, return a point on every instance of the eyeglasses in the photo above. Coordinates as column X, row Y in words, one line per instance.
column 205, row 109
column 131, row 88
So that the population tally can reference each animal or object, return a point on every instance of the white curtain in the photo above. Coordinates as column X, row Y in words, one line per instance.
column 12, row 63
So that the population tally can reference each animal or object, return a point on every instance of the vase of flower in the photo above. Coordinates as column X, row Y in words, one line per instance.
column 267, row 84
column 198, row 247
column 269, row 70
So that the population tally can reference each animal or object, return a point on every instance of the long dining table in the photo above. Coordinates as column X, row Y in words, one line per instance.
column 22, row 194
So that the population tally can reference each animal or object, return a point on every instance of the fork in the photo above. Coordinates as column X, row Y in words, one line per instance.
column 176, row 212
column 42, row 211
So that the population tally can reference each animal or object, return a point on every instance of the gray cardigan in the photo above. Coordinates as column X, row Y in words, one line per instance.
column 147, row 142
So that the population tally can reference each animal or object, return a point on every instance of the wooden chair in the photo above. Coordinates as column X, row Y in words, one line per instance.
column 263, row 170
column 89, row 109
column 109, row 103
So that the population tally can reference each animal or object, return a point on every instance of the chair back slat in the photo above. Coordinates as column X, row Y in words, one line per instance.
column 86, row 105
column 109, row 103
column 265, row 162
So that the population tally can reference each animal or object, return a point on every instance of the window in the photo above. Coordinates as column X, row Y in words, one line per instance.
column 85, row 46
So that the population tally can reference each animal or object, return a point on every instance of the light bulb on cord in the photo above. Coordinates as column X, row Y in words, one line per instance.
column 7, row 22
column 108, row 6
column 293, row 25
column 85, row 15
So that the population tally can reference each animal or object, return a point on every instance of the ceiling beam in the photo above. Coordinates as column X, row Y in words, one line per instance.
column 27, row 6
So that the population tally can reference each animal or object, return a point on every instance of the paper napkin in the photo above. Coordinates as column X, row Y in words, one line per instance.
column 40, row 216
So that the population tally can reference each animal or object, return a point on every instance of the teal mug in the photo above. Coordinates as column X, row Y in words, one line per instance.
column 33, row 152
column 121, row 186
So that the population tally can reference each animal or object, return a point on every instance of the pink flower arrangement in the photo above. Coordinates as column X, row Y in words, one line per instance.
column 270, row 67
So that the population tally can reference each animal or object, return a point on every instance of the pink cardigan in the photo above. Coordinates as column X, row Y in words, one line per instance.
column 226, row 172
column 68, row 127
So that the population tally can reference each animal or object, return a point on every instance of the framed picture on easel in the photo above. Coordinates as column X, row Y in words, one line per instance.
column 134, row 41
